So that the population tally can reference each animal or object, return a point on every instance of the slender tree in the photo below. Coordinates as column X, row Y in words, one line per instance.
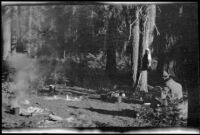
column 30, row 28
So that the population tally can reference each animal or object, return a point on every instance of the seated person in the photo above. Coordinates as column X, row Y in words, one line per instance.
column 171, row 88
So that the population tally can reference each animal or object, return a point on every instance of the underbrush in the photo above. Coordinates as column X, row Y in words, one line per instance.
column 163, row 116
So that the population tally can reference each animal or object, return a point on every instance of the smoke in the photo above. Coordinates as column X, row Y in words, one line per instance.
column 30, row 74
column 26, row 72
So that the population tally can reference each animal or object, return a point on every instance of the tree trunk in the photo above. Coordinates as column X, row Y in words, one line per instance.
column 13, row 31
column 19, row 47
column 29, row 30
column 110, row 47
column 147, row 39
column 6, row 27
column 135, row 43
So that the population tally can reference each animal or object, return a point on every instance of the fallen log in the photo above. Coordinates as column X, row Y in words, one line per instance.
column 55, row 117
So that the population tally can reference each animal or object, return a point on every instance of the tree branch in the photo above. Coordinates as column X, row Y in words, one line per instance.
column 158, row 33
column 131, row 25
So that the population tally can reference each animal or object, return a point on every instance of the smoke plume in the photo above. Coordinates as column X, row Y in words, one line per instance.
column 24, row 76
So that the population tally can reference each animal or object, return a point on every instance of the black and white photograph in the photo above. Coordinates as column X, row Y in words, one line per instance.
column 100, row 66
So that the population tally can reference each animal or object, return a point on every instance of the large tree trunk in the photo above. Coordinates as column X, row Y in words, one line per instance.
column 135, row 45
column 6, row 27
column 147, row 39
column 110, row 47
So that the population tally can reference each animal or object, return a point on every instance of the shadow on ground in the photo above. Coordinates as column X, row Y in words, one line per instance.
column 124, row 113
column 74, row 107
column 109, row 100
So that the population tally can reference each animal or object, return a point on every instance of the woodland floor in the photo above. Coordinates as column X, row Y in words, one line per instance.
column 90, row 111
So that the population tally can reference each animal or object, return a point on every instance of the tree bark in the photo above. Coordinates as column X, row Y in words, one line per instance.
column 110, row 47
column 29, row 29
column 135, row 44
column 19, row 47
column 13, row 31
column 147, row 39
column 6, row 27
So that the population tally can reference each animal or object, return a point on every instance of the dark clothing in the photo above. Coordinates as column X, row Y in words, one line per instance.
column 145, row 62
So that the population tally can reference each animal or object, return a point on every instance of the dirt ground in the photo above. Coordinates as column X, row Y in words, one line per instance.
column 86, row 110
